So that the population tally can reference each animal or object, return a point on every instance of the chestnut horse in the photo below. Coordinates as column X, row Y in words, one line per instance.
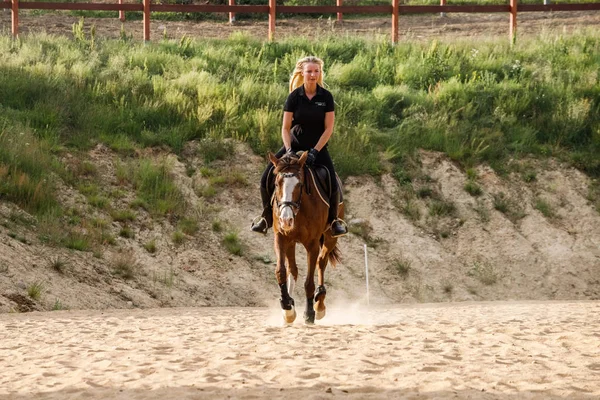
column 300, row 216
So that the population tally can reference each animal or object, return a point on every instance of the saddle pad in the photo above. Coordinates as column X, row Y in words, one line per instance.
column 320, row 177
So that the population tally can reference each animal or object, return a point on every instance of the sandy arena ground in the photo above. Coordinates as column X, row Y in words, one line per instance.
column 502, row 350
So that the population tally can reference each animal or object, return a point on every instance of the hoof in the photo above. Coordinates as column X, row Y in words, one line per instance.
column 320, row 310
column 289, row 316
column 309, row 317
column 321, row 293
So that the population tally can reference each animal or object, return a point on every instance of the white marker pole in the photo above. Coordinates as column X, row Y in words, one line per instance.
column 367, row 274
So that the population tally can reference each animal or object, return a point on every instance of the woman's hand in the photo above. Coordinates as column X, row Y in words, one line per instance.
column 312, row 156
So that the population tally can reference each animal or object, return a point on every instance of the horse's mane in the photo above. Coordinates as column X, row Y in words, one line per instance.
column 288, row 162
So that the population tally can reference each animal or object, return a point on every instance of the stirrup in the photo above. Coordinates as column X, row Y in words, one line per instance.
column 256, row 225
column 343, row 223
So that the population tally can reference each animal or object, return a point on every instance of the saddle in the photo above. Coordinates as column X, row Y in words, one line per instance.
column 320, row 177
column 322, row 181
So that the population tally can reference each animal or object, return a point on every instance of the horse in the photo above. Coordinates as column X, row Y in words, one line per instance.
column 300, row 216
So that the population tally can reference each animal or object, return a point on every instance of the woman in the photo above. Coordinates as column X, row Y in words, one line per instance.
column 308, row 118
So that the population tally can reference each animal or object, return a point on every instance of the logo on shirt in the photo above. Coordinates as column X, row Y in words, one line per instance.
column 320, row 103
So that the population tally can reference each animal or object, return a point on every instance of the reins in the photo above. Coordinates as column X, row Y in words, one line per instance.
column 306, row 182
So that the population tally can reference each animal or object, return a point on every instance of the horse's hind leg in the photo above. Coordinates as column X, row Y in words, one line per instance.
column 327, row 247
column 309, row 285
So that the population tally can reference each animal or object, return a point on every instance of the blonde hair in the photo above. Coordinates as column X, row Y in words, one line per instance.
column 297, row 80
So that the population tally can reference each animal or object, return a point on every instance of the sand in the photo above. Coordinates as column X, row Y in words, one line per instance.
column 488, row 350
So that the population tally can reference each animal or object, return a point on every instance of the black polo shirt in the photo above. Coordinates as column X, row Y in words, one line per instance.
column 309, row 114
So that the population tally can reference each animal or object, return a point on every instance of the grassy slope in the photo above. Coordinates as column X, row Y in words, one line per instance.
column 478, row 103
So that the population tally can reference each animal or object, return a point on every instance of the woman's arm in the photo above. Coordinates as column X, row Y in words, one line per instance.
column 329, row 121
column 285, row 129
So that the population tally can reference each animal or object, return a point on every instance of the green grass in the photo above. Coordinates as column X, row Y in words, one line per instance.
column 26, row 165
column 482, row 211
column 232, row 243
column 217, row 226
column 485, row 273
column 125, row 266
column 150, row 246
column 76, row 241
column 441, row 208
column 58, row 264
column 126, row 232
column 529, row 176
column 544, row 207
column 478, row 102
column 35, row 290
column 403, row 267
column 424, row 192
column 167, row 278
column 508, row 206
column 364, row 230
column 178, row 238
column 122, row 215
column 473, row 188
column 98, row 201
column 58, row 305
column 189, row 226
column 106, row 238
column 215, row 149
column 154, row 185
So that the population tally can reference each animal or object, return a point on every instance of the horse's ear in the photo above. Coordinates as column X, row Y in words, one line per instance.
column 303, row 158
column 273, row 159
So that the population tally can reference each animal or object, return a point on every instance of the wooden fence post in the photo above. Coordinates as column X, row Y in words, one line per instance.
column 513, row 22
column 15, row 17
column 339, row 3
column 395, row 11
column 272, row 4
column 121, row 13
column 231, row 14
column 146, row 20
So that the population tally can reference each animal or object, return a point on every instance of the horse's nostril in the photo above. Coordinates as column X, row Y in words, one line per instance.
column 288, row 222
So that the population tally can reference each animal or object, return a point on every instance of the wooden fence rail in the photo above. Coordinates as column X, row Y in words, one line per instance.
column 395, row 9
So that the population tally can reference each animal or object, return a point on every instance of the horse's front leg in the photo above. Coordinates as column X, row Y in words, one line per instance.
column 292, row 268
column 287, row 302
column 312, row 251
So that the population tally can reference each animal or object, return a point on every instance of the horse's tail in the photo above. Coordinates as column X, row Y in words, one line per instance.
column 335, row 256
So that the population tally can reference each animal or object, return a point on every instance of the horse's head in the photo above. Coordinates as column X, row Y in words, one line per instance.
column 289, row 181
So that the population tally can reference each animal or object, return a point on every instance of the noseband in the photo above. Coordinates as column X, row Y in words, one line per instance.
column 295, row 206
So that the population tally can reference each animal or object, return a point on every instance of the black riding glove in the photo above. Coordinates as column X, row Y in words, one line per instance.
column 312, row 156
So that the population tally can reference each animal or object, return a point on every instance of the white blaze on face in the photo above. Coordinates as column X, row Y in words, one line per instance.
column 289, row 184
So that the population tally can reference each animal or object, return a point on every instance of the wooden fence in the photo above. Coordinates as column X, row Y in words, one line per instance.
column 395, row 9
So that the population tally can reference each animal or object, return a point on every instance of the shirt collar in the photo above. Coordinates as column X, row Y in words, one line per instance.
column 319, row 90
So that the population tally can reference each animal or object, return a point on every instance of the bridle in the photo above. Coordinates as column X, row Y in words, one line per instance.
column 294, row 205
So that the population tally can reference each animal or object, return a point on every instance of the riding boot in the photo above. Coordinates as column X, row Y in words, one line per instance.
column 338, row 227
column 265, row 221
